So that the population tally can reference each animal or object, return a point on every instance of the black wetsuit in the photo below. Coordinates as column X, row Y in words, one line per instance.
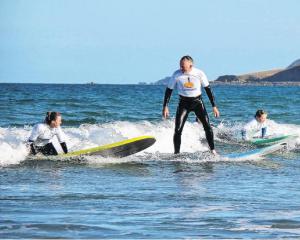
column 47, row 149
column 185, row 106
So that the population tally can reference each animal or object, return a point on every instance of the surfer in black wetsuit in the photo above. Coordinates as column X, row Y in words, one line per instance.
column 189, row 80
column 42, row 135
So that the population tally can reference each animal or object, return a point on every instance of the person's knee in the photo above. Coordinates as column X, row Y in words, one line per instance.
column 207, row 128
column 177, row 132
column 206, row 124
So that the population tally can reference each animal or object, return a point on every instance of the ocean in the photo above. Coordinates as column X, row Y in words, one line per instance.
column 152, row 194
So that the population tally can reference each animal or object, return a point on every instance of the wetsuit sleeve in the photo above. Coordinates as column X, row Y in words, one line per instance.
column 64, row 147
column 210, row 95
column 167, row 97
column 169, row 89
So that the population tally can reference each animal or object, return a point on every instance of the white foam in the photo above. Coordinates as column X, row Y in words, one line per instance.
column 227, row 131
column 13, row 150
column 93, row 135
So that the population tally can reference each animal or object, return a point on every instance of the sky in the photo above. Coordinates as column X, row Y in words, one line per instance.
column 131, row 41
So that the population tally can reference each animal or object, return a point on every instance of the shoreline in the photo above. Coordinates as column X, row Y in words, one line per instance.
column 287, row 84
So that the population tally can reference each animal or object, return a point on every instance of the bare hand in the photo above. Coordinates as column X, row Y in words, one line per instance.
column 216, row 112
column 165, row 112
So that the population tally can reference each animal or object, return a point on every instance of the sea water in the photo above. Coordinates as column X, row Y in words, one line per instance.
column 152, row 194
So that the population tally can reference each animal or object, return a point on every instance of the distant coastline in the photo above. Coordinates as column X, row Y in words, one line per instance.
column 215, row 83
column 289, row 76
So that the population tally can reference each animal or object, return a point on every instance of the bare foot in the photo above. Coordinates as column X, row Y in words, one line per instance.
column 214, row 152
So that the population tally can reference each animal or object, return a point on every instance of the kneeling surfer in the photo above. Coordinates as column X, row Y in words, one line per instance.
column 43, row 133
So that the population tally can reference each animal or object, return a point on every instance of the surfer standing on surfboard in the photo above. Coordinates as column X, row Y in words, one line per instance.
column 43, row 133
column 189, row 80
column 257, row 127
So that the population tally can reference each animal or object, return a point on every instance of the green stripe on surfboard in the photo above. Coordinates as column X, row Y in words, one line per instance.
column 262, row 141
column 118, row 149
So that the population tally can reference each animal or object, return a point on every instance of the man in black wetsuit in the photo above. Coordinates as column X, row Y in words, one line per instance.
column 189, row 80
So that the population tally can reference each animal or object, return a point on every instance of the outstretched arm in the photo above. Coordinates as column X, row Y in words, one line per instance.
column 167, row 98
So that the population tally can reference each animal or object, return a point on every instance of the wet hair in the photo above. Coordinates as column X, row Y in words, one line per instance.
column 259, row 113
column 51, row 116
column 187, row 57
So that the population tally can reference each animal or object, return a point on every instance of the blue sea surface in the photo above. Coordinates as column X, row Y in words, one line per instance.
column 153, row 194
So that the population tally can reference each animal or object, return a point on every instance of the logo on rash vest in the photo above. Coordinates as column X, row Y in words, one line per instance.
column 188, row 84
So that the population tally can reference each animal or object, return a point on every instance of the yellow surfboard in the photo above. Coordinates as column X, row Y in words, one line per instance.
column 118, row 149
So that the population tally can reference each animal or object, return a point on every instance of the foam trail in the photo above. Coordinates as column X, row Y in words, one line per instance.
column 13, row 150
column 93, row 135
column 12, row 147
column 90, row 135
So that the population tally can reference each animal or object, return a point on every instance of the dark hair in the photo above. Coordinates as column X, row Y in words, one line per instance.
column 259, row 113
column 187, row 57
column 51, row 116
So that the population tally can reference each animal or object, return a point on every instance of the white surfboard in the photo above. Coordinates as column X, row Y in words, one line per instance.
column 256, row 153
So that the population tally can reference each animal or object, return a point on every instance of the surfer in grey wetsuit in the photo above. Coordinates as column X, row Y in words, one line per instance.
column 189, row 80
column 42, row 135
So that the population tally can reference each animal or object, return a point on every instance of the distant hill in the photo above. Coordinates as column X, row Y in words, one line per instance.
column 294, row 64
column 280, row 76
column 163, row 81
column 256, row 76
column 291, row 75
column 286, row 76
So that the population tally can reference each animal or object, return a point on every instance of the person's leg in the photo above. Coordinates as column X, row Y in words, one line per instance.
column 181, row 116
column 48, row 149
column 202, row 115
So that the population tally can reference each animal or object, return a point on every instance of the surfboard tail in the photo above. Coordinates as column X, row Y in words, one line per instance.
column 119, row 149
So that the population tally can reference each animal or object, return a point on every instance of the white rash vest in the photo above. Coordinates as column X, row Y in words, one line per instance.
column 43, row 134
column 253, row 128
column 188, row 84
